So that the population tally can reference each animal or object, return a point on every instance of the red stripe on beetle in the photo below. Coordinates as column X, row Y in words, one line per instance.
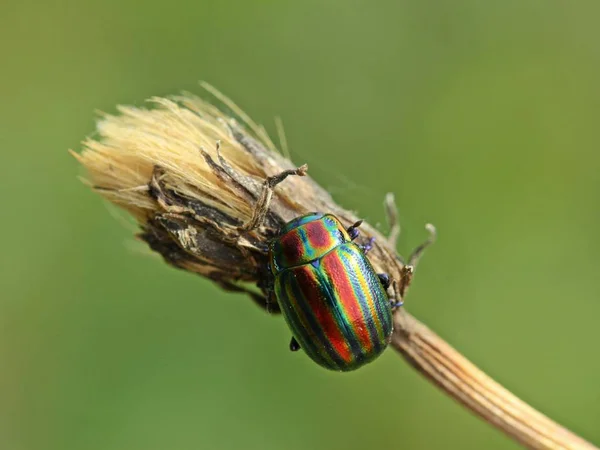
column 319, row 306
column 292, row 248
column 318, row 236
column 338, row 274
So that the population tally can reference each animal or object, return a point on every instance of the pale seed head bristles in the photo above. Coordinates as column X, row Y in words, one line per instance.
column 191, row 175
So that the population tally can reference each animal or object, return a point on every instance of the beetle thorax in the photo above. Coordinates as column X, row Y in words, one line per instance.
column 306, row 239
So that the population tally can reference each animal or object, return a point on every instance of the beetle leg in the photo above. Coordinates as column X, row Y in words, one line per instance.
column 294, row 346
column 368, row 246
column 352, row 230
column 385, row 280
column 266, row 194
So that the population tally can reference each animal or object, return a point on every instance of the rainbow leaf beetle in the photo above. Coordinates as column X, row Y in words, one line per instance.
column 333, row 301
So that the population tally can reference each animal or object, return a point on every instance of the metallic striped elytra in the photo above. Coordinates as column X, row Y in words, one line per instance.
column 331, row 298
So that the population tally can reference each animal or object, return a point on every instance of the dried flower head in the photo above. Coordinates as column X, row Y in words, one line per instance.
column 192, row 176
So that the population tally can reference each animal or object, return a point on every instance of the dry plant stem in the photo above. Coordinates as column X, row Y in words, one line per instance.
column 194, row 202
column 464, row 382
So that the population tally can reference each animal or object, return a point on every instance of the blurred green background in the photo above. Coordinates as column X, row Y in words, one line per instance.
column 482, row 117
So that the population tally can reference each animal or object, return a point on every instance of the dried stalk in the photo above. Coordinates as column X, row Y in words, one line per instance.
column 464, row 382
column 190, row 175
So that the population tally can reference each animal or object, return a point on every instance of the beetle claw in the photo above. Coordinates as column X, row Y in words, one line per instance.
column 368, row 246
column 396, row 304
column 385, row 280
column 294, row 346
